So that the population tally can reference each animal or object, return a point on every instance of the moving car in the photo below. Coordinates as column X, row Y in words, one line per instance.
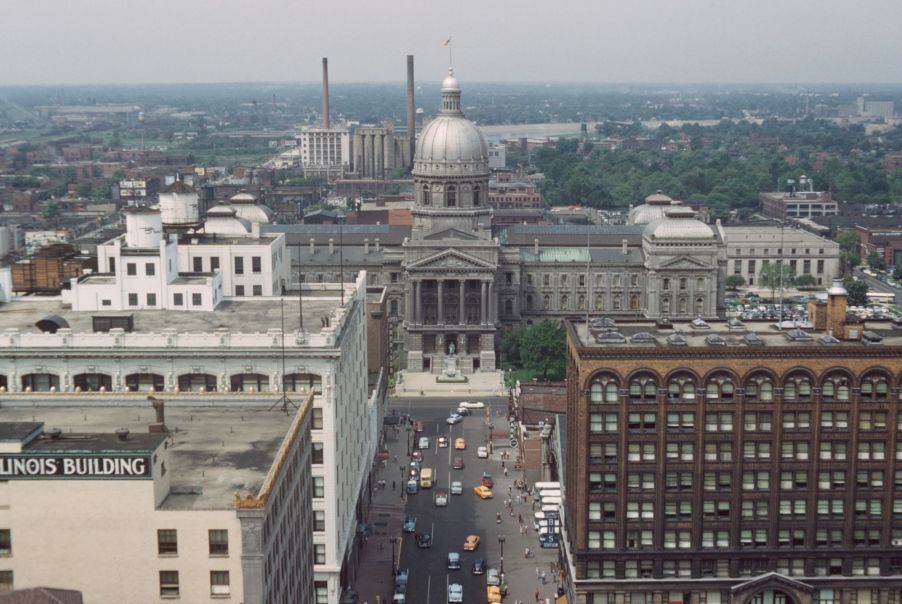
column 492, row 593
column 424, row 442
column 440, row 498
column 442, row 442
column 478, row 566
column 410, row 524
column 471, row 404
column 453, row 560
column 418, row 455
column 487, row 481
column 419, row 427
column 454, row 419
column 426, row 478
column 455, row 593
column 471, row 543
column 458, row 463
column 482, row 453
column 412, row 486
column 457, row 488
column 483, row 492
column 460, row 444
column 464, row 411
column 492, row 577
column 424, row 540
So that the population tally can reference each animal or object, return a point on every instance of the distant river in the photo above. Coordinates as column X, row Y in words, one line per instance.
column 515, row 131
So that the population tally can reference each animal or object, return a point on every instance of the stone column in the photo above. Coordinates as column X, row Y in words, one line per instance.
column 408, row 301
column 368, row 155
column 441, row 302
column 379, row 161
column 491, row 301
column 482, row 306
column 460, row 318
column 418, row 299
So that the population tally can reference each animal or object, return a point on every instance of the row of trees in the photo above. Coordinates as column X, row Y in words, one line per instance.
column 539, row 349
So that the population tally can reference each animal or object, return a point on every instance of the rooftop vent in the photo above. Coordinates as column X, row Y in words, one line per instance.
column 735, row 324
column 643, row 337
column 51, row 323
column 610, row 336
column 752, row 339
column 664, row 323
column 829, row 340
column 676, row 339
column 715, row 340
column 53, row 433
column 698, row 323
column 797, row 335
column 871, row 337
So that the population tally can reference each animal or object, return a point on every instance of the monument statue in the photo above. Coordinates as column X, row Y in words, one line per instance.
column 451, row 348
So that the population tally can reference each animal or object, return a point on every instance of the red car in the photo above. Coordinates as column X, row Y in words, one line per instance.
column 418, row 427
column 417, row 455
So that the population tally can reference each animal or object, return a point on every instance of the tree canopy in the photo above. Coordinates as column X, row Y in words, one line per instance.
column 540, row 349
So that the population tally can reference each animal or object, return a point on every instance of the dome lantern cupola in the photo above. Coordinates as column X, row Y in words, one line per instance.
column 450, row 95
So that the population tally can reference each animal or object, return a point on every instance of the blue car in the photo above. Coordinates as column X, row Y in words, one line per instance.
column 410, row 524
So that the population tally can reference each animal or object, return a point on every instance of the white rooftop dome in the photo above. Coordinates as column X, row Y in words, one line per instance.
column 653, row 209
column 246, row 207
column 222, row 219
column 679, row 224
column 450, row 144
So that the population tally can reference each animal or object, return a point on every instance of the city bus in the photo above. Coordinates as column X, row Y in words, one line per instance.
column 426, row 478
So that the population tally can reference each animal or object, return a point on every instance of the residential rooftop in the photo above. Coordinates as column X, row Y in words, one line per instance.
column 214, row 452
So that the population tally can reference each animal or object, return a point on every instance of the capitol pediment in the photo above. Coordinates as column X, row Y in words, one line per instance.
column 683, row 262
column 451, row 260
column 451, row 233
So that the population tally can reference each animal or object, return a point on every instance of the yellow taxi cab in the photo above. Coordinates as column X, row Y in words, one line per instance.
column 460, row 444
column 471, row 543
column 483, row 492
column 493, row 593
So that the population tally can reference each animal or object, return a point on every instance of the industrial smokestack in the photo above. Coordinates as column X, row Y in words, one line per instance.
column 325, row 93
column 411, row 125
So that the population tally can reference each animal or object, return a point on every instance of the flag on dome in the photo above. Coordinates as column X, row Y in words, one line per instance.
column 447, row 42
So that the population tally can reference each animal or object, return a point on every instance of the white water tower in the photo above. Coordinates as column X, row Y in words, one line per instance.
column 179, row 207
column 143, row 228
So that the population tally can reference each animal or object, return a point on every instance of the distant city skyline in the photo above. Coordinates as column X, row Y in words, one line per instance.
column 695, row 41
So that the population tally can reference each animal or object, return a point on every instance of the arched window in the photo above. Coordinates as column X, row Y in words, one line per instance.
column 836, row 388
column 451, row 196
column 665, row 306
column 197, row 382
column 581, row 302
column 427, row 195
column 615, row 302
column 684, row 283
column 477, row 191
column 144, row 382
column 565, row 302
column 393, row 308
column 681, row 388
column 40, row 382
column 684, row 306
column 634, row 301
column 643, row 389
column 249, row 382
column 603, row 390
column 700, row 284
column 797, row 388
column 720, row 389
column 599, row 302
column 508, row 307
column 874, row 388
column 528, row 302
column 303, row 382
column 759, row 389
column 92, row 382
column 546, row 302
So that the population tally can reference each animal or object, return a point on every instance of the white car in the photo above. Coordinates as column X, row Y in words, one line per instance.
column 482, row 453
column 442, row 442
column 454, row 419
column 471, row 405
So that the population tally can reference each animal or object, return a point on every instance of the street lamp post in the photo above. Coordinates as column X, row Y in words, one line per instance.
column 409, row 452
column 393, row 540
column 501, row 539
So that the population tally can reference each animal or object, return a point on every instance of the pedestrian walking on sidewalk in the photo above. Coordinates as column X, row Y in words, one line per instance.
column 536, row 593
column 542, row 577
column 505, row 472
column 537, row 572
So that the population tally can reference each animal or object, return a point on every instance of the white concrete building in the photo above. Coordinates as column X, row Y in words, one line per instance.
column 497, row 157
column 751, row 248
column 218, row 358
column 35, row 240
column 324, row 152
column 95, row 501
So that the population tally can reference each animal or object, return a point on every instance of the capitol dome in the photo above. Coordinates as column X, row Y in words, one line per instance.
column 222, row 219
column 451, row 144
column 679, row 224
column 653, row 209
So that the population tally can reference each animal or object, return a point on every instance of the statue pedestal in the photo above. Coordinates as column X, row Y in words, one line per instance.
column 450, row 371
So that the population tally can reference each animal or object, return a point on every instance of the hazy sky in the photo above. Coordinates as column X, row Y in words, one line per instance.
column 125, row 41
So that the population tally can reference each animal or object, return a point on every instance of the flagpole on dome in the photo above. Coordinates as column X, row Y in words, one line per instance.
column 447, row 43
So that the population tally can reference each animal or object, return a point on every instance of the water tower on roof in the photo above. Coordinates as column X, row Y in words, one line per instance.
column 179, row 207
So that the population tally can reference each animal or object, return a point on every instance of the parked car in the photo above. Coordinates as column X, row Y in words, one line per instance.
column 410, row 524
column 417, row 455
column 492, row 577
column 424, row 442
column 487, row 481
column 419, row 426
column 492, row 593
column 482, row 453
column 457, row 488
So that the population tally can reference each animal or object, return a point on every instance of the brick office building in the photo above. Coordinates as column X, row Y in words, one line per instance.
column 706, row 463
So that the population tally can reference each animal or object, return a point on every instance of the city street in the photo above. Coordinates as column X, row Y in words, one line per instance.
column 465, row 514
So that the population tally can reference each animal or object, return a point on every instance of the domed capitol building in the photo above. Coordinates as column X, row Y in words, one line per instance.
column 455, row 286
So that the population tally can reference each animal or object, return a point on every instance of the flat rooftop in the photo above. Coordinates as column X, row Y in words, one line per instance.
column 240, row 316
column 215, row 451
column 722, row 333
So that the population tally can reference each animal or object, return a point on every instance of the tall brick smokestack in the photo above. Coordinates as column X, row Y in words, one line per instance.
column 325, row 93
column 411, row 126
